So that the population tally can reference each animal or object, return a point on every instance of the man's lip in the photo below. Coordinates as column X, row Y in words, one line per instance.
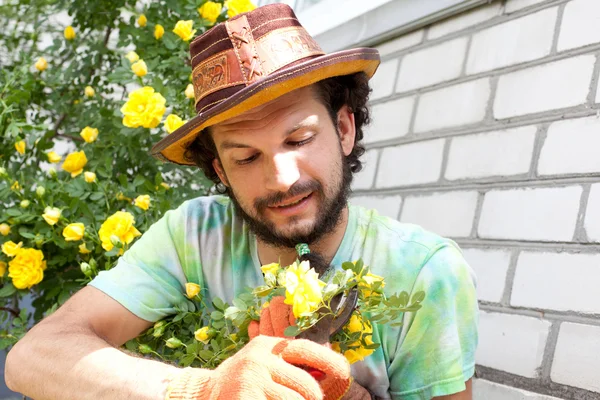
column 290, row 201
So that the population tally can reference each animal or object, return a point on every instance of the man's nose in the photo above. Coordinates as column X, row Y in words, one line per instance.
column 282, row 172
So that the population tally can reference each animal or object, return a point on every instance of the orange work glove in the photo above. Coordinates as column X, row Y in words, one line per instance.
column 273, row 319
column 263, row 370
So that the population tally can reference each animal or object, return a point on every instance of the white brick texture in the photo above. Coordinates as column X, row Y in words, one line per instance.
column 447, row 214
column 511, row 343
column 544, row 87
column 453, row 106
column 592, row 214
column 520, row 40
column 365, row 178
column 486, row 390
column 501, row 153
column 411, row 164
column 571, row 147
column 579, row 24
column 390, row 120
column 385, row 205
column 557, row 281
column 576, row 362
column 401, row 43
column 432, row 65
column 545, row 214
column 464, row 20
column 490, row 267
column 515, row 5
column 382, row 82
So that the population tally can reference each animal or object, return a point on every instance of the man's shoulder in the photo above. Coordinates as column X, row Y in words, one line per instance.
column 215, row 207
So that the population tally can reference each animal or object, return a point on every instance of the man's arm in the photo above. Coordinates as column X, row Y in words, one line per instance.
column 466, row 394
column 73, row 354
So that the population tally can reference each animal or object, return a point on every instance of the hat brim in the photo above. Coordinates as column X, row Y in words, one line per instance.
column 172, row 148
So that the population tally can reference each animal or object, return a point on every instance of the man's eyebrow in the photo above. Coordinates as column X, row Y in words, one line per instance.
column 310, row 122
column 227, row 144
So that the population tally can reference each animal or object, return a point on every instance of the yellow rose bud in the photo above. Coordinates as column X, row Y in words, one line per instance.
column 69, row 33
column 89, row 91
column 132, row 56
column 27, row 268
column 11, row 249
column 142, row 20
column 89, row 134
column 139, row 68
column 4, row 229
column 40, row 191
column 74, row 232
column 120, row 225
column 41, row 64
column 272, row 268
column 86, row 269
column 75, row 162
column 235, row 7
column 51, row 215
column 159, row 31
column 192, row 290
column 16, row 186
column 142, row 201
column 83, row 249
column 165, row 185
column 52, row 172
column 25, row 203
column 90, row 177
column 173, row 122
column 144, row 108
column 53, row 157
column 184, row 30
column 173, row 343
column 189, row 91
column 3, row 266
column 20, row 146
column 210, row 11
column 202, row 335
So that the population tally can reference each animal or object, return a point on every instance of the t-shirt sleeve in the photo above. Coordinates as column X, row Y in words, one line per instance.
column 436, row 351
column 148, row 279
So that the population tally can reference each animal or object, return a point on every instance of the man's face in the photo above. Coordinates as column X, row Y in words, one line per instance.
column 284, row 165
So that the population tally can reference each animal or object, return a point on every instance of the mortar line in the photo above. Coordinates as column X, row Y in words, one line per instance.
column 583, row 319
column 413, row 116
column 549, row 351
column 510, row 277
column 557, row 26
column 540, row 139
column 463, row 68
column 489, row 108
column 593, row 92
column 476, row 218
column 530, row 245
column 580, row 233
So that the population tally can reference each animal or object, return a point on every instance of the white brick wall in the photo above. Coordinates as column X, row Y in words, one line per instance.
column 546, row 214
column 401, row 43
column 511, row 343
column 432, row 65
column 592, row 215
column 403, row 165
column 576, row 359
column 500, row 153
column 364, row 179
column 486, row 390
column 385, row 205
column 515, row 5
column 447, row 214
column 465, row 20
column 570, row 282
column 390, row 120
column 490, row 268
column 579, row 24
column 453, row 106
column 513, row 42
column 544, row 87
column 382, row 82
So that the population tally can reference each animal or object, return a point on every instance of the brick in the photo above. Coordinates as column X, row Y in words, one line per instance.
column 390, row 120
column 432, row 65
column 500, row 153
column 364, row 179
column 401, row 43
column 579, row 24
column 486, row 390
column 511, row 343
column 403, row 165
column 540, row 88
column 490, row 267
column 570, row 282
column 513, row 42
column 544, row 214
column 382, row 82
column 592, row 214
column 464, row 20
column 385, row 205
column 571, row 147
column 576, row 362
column 452, row 106
column 447, row 214
column 515, row 5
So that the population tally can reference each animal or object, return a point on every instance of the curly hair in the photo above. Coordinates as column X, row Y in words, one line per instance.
column 351, row 90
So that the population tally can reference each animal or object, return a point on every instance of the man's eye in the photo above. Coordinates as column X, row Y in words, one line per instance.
column 246, row 160
column 301, row 142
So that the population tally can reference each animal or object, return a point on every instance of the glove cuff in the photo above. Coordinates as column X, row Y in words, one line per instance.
column 189, row 384
column 338, row 389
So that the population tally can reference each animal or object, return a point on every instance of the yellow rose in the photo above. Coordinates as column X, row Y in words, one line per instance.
column 139, row 68
column 20, row 146
column 74, row 232
column 16, row 186
column 83, row 249
column 53, row 157
column 165, row 185
column 89, row 91
column 159, row 31
column 69, row 33
column 120, row 224
column 89, row 177
column 3, row 266
column 143, row 108
column 75, row 162
column 202, row 335
column 272, row 268
column 132, row 56
column 41, row 64
column 89, row 134
column 142, row 20
column 51, row 215
column 235, row 7
column 142, row 201
column 210, row 11
column 366, row 287
column 191, row 290
column 183, row 29
column 357, row 324
column 173, row 122
column 303, row 289
column 189, row 91
column 4, row 229
column 27, row 268
column 11, row 249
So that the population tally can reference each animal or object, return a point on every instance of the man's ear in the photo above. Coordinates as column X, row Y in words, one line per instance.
column 347, row 129
column 220, row 171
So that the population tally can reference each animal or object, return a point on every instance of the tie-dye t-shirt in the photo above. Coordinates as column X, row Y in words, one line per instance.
column 204, row 241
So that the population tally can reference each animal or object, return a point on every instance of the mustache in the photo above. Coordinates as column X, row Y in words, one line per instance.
column 297, row 189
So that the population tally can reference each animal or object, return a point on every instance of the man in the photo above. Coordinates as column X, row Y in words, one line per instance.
column 279, row 127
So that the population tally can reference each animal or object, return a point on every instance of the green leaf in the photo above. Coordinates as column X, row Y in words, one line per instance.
column 403, row 299
column 216, row 315
column 218, row 303
column 418, row 297
column 96, row 196
column 232, row 312
column 239, row 303
column 292, row 331
column 7, row 290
